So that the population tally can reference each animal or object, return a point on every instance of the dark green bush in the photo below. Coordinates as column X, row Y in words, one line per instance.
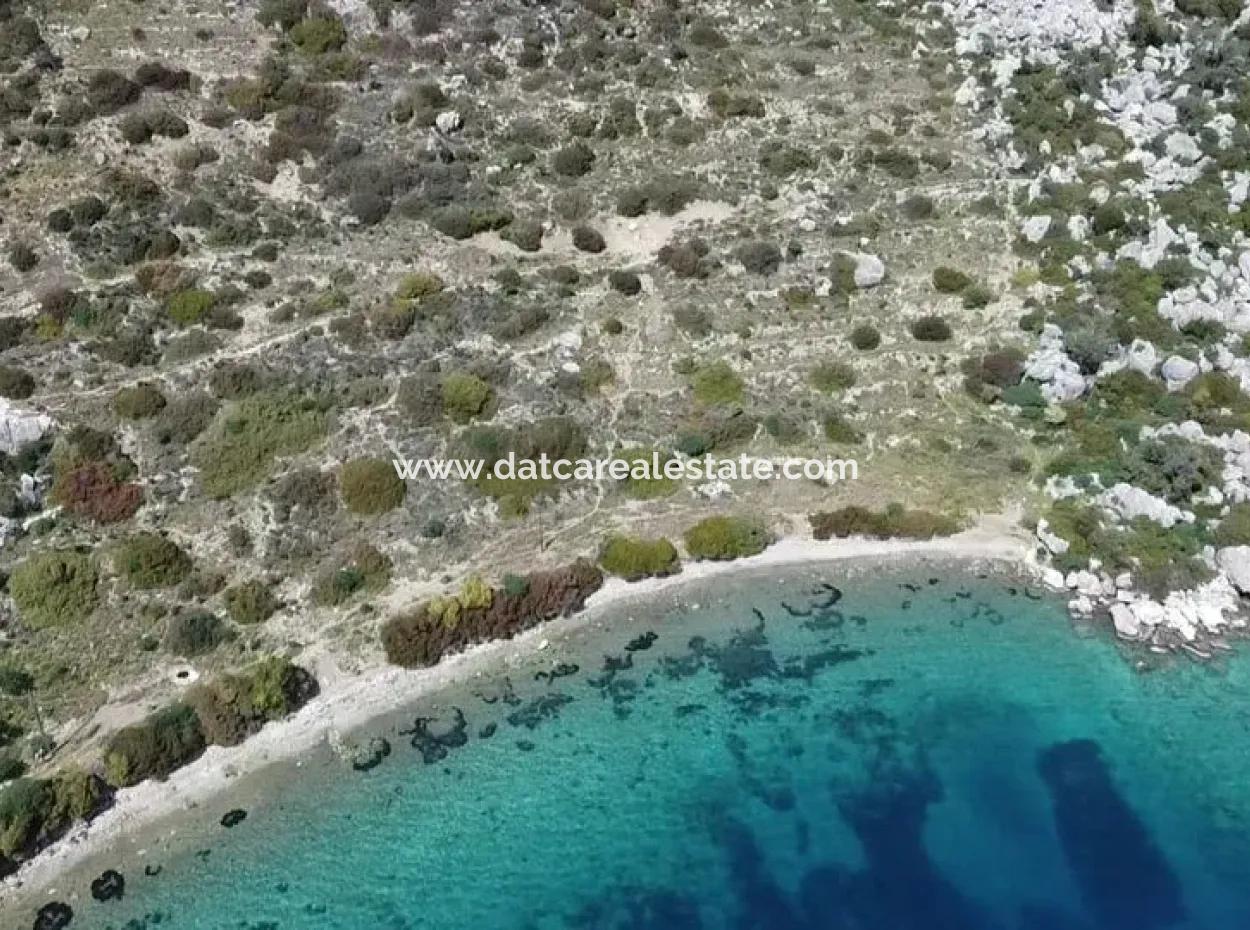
column 362, row 570
column 320, row 34
column 634, row 559
column 148, row 560
column 759, row 257
column 730, row 105
column 838, row 429
column 370, row 486
column 573, row 160
column 234, row 706
column 586, row 239
column 831, row 376
column 865, row 337
column 54, row 588
column 727, row 537
column 155, row 748
column 250, row 602
column 895, row 522
column 139, row 402
column 625, row 282
column 931, row 329
column 191, row 306
column 949, row 280
column 35, row 812
column 16, row 383
column 194, row 633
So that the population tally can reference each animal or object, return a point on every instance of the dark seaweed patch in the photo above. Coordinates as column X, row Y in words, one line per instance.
column 641, row 643
column 563, row 670
column 55, row 915
column 1124, row 878
column 539, row 710
column 233, row 818
column 109, row 886
column 434, row 738
column 487, row 731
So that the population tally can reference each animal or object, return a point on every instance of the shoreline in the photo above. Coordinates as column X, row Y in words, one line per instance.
column 350, row 702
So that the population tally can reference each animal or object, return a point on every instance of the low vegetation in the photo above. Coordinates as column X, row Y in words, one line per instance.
column 726, row 537
column 895, row 522
column 633, row 559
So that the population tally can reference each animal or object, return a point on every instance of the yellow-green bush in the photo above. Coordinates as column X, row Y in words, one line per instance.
column 634, row 559
column 370, row 486
column 464, row 396
column 726, row 537
column 149, row 560
column 54, row 588
column 240, row 447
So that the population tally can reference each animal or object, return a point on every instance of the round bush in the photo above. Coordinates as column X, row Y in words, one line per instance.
column 635, row 559
column 16, row 383
column 152, row 561
column 195, row 633
column 574, row 160
column 250, row 602
column 723, row 538
column 54, row 588
column 138, row 402
column 371, row 486
column 931, row 329
column 586, row 239
column 865, row 337
column 464, row 396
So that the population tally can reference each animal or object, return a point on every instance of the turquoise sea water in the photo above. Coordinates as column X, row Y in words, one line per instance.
column 911, row 749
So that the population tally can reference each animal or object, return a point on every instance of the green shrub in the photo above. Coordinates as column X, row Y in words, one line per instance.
column 895, row 522
column 35, row 811
column 729, row 105
column 865, row 337
column 250, row 602
column 16, row 383
column 370, row 486
column 464, row 396
column 155, row 748
column 195, row 633
column 643, row 482
column 139, row 402
column 831, row 376
column 573, row 160
column 931, row 329
column 363, row 570
column 236, row 705
column 838, row 429
column 634, row 559
column 717, row 383
column 149, row 560
column 949, row 280
column 240, row 448
column 189, row 307
column 319, row 35
column 419, row 285
column 54, row 588
column 723, row 538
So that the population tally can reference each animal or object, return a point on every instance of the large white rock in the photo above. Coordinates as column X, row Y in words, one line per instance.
column 869, row 270
column 1035, row 227
column 19, row 427
column 1178, row 371
column 1129, row 503
column 1142, row 356
column 1125, row 621
column 448, row 122
column 1182, row 147
column 1234, row 561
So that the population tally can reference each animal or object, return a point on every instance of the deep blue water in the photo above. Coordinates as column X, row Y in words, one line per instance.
column 904, row 751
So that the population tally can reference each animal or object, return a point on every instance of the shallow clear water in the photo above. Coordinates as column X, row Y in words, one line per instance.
column 930, row 751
